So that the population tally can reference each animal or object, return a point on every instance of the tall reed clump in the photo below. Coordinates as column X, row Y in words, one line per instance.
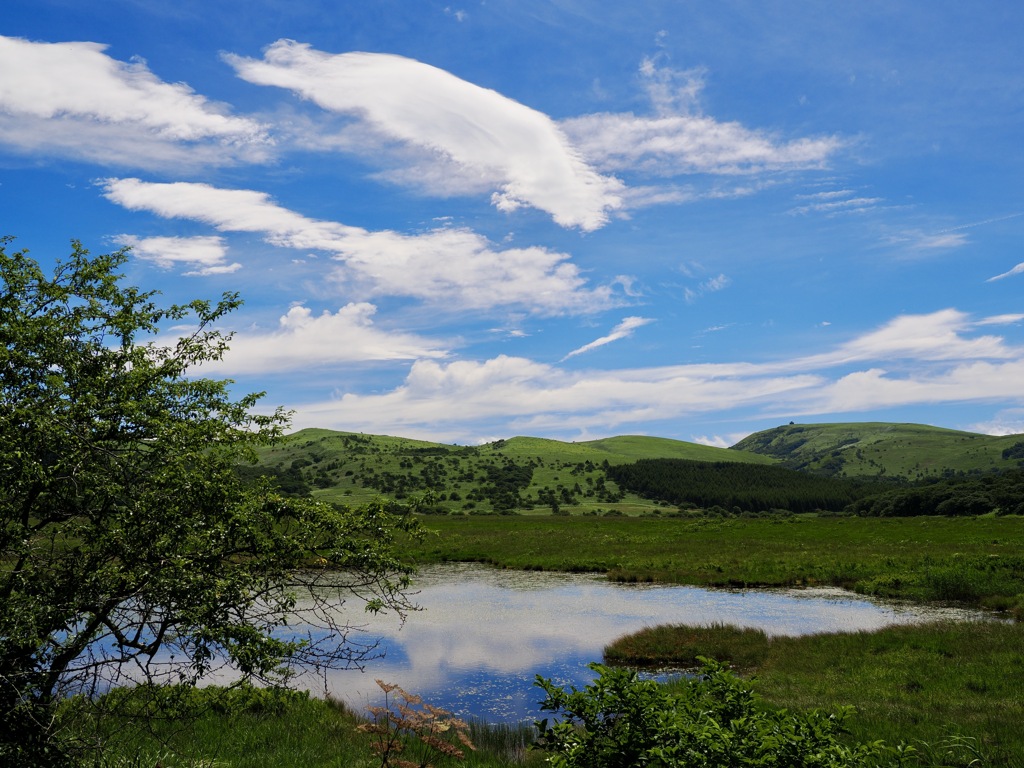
column 508, row 741
column 407, row 727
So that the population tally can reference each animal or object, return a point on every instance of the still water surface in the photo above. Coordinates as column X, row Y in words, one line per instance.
column 484, row 634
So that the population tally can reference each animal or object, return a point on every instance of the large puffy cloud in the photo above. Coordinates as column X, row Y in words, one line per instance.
column 520, row 151
column 72, row 98
column 454, row 267
column 303, row 340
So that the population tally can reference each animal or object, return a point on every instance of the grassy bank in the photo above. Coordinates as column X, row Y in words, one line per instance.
column 247, row 728
column 977, row 561
column 953, row 689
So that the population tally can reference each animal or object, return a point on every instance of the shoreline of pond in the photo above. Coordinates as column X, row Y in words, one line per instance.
column 975, row 562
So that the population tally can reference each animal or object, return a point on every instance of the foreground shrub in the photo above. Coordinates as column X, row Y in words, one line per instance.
column 622, row 721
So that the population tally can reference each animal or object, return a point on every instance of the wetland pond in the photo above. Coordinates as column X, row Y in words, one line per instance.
column 484, row 634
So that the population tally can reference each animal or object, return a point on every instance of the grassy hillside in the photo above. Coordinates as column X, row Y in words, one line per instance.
column 914, row 451
column 532, row 474
column 519, row 474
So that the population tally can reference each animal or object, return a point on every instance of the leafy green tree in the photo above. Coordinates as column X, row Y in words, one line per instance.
column 130, row 549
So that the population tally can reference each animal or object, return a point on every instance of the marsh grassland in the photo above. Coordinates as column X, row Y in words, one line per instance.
column 976, row 561
column 954, row 689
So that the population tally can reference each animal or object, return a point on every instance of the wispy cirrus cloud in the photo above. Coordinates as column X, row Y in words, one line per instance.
column 711, row 285
column 1009, row 273
column 679, row 140
column 835, row 203
column 623, row 330
column 949, row 237
column 74, row 100
column 521, row 153
column 201, row 256
column 450, row 267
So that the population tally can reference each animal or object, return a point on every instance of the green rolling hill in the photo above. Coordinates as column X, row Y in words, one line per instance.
column 532, row 475
column 521, row 474
column 878, row 449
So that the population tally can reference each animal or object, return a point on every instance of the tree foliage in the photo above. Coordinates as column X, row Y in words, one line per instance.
column 750, row 487
column 130, row 549
column 1001, row 492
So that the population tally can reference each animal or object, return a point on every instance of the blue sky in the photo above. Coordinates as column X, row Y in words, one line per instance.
column 467, row 221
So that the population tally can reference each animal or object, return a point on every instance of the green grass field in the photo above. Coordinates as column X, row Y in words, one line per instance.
column 978, row 561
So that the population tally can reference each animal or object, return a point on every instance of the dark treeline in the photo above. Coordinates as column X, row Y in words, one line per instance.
column 758, row 488
column 1002, row 493
column 748, row 487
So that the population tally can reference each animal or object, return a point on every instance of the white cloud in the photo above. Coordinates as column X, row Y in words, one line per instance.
column 876, row 388
column 303, row 340
column 1009, row 319
column 833, row 194
column 521, row 153
column 935, row 336
column 719, row 441
column 527, row 395
column 672, row 91
column 1005, row 422
column 206, row 255
column 689, row 144
column 831, row 206
column 621, row 331
column 952, row 237
column 679, row 140
column 711, row 285
column 73, row 99
column 918, row 240
column 449, row 267
column 1010, row 273
column 942, row 240
column 512, row 395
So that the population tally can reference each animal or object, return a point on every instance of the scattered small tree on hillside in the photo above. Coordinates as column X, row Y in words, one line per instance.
column 130, row 549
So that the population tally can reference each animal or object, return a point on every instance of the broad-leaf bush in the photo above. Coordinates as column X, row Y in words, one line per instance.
column 715, row 721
